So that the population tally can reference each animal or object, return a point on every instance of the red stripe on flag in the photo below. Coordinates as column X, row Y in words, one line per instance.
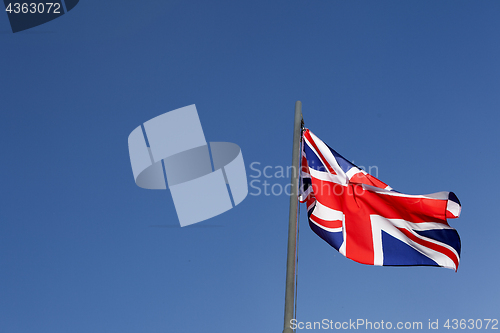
column 328, row 193
column 375, row 182
column 414, row 210
column 359, row 239
column 325, row 223
column 361, row 178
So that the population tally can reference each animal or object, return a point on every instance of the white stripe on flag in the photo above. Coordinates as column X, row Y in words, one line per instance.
column 400, row 223
column 326, row 213
column 326, row 176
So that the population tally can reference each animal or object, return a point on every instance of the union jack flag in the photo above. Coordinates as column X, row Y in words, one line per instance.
column 367, row 221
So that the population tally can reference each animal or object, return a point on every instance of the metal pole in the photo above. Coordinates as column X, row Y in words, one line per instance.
column 292, row 222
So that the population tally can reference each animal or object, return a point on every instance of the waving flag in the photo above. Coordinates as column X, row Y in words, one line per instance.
column 367, row 221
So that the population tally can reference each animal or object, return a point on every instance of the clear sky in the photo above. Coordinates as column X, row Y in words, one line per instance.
column 408, row 88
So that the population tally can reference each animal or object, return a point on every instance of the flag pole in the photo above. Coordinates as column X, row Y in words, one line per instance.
column 292, row 222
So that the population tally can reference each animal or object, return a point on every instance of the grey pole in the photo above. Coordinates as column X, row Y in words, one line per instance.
column 292, row 222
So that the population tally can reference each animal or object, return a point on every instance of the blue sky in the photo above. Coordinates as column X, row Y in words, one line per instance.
column 409, row 87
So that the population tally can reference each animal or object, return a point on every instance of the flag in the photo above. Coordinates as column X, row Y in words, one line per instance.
column 367, row 221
